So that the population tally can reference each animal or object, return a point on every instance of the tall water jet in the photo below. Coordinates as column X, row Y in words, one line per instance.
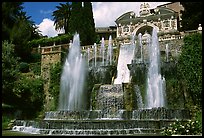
column 167, row 53
column 88, row 55
column 102, row 50
column 95, row 53
column 72, row 79
column 155, row 94
column 141, row 47
column 110, row 51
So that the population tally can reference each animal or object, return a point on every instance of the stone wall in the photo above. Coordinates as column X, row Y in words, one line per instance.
column 50, row 55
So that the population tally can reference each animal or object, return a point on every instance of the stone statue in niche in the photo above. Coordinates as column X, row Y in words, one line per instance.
column 173, row 24
column 131, row 28
column 166, row 23
column 119, row 31
column 159, row 25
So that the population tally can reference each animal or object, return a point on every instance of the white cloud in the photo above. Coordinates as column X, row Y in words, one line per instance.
column 105, row 13
column 46, row 12
column 47, row 28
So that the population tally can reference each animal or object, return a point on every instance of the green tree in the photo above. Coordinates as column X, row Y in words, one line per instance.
column 18, row 28
column 190, row 66
column 10, row 12
column 191, row 16
column 10, row 72
column 29, row 92
column 82, row 22
column 89, row 24
column 76, row 21
column 62, row 17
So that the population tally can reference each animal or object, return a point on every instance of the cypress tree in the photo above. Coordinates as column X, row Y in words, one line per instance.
column 75, row 19
column 82, row 22
column 90, row 25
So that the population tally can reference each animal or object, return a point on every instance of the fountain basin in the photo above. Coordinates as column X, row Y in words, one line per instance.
column 141, row 121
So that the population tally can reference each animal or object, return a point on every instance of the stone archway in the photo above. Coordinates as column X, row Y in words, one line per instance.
column 146, row 30
column 142, row 28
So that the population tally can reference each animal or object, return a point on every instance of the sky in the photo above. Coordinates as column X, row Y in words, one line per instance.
column 104, row 13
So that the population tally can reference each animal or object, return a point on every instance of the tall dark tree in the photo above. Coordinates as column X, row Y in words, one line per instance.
column 89, row 23
column 76, row 18
column 62, row 17
column 82, row 22
column 10, row 13
column 191, row 16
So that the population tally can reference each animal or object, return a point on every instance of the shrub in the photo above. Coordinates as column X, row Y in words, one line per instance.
column 181, row 128
column 24, row 67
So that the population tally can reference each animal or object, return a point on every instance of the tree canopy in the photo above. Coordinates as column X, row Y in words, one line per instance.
column 18, row 28
column 190, row 66
column 191, row 16
column 62, row 17
column 76, row 17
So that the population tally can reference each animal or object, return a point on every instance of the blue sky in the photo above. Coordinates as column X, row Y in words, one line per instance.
column 104, row 13
column 40, row 10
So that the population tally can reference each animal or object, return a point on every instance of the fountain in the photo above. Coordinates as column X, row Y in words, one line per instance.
column 95, row 53
column 102, row 50
column 72, row 79
column 167, row 53
column 155, row 95
column 109, row 52
column 113, row 109
column 125, row 57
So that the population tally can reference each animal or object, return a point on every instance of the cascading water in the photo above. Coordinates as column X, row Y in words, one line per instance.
column 125, row 57
column 72, row 79
column 155, row 94
column 138, row 97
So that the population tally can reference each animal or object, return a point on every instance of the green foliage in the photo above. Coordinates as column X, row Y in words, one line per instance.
column 29, row 91
column 190, row 66
column 18, row 28
column 93, row 96
column 62, row 17
column 24, row 67
column 5, row 122
column 10, row 72
column 54, row 88
column 191, row 16
column 35, row 68
column 10, row 12
column 35, row 57
column 174, row 93
column 82, row 22
column 63, row 39
column 181, row 128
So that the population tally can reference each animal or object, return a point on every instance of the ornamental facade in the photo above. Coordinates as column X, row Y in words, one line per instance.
column 164, row 19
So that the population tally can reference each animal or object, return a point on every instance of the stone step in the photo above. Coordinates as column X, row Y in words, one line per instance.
column 105, row 124
column 101, row 132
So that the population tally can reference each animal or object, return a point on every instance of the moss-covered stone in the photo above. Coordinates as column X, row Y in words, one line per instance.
column 94, row 96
